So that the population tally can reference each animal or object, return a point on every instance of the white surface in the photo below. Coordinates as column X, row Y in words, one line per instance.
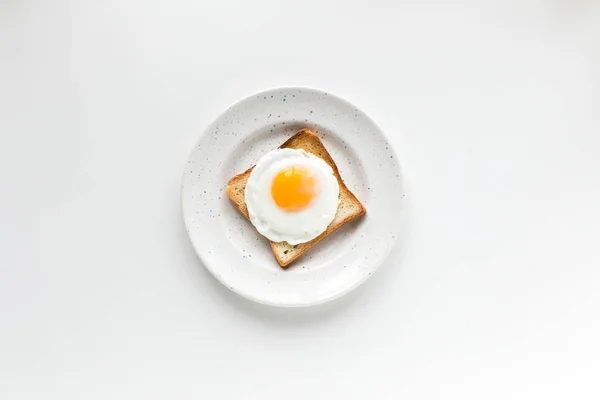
column 493, row 291
column 231, row 248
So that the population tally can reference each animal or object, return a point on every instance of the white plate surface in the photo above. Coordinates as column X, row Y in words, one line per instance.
column 229, row 246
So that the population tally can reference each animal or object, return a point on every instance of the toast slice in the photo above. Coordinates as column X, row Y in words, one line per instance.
column 348, row 209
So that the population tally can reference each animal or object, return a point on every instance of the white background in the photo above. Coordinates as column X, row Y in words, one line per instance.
column 493, row 291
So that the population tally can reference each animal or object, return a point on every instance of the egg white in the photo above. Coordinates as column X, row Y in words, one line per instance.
column 277, row 224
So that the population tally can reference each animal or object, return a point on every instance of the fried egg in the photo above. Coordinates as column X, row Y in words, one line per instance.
column 291, row 196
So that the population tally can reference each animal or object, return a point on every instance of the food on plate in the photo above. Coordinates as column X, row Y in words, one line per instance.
column 294, row 196
column 291, row 196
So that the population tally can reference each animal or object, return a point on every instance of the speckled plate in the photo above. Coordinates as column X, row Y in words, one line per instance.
column 229, row 246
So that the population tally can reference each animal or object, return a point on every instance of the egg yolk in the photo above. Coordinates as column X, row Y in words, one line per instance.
column 293, row 188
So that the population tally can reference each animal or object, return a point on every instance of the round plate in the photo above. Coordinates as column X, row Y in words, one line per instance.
column 229, row 246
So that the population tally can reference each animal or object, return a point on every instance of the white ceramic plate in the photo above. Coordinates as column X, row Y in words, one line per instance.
column 229, row 246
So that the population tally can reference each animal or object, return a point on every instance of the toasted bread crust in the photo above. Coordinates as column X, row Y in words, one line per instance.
column 308, row 141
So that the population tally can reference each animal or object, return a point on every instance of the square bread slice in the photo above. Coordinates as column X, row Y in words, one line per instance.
column 348, row 209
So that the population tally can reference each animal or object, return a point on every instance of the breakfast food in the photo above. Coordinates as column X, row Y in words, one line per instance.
column 294, row 196
column 291, row 196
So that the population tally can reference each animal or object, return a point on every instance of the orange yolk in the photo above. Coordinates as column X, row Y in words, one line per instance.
column 293, row 188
